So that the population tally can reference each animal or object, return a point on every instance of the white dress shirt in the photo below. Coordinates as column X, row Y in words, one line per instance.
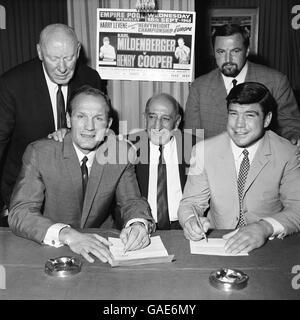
column 238, row 158
column 240, row 78
column 52, row 88
column 173, row 178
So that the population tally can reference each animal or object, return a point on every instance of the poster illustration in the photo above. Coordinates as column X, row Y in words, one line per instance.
column 156, row 46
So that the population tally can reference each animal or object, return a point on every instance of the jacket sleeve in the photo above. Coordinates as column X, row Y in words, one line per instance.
column 288, row 115
column 192, row 109
column 25, row 217
column 7, row 115
column 196, row 190
column 289, row 193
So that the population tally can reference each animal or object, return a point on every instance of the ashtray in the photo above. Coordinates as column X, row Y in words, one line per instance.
column 63, row 266
column 228, row 279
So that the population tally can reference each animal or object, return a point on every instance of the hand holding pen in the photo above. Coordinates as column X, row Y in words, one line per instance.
column 200, row 224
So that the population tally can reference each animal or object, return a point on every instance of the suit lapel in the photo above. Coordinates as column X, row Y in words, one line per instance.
column 72, row 163
column 91, row 189
column 218, row 92
column 261, row 158
column 227, row 170
column 142, row 173
column 42, row 94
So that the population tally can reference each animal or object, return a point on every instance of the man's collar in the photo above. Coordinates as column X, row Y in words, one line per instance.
column 81, row 155
column 240, row 78
column 51, row 85
column 237, row 151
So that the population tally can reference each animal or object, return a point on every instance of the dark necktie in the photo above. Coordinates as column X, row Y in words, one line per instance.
column 234, row 82
column 244, row 169
column 163, row 221
column 85, row 175
column 60, row 106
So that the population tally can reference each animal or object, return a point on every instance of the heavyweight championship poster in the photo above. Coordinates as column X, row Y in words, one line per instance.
column 158, row 45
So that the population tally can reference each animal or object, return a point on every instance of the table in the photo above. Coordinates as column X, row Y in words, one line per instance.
column 269, row 269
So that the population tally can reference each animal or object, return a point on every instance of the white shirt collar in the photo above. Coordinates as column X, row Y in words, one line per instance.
column 52, row 85
column 81, row 155
column 238, row 152
column 240, row 78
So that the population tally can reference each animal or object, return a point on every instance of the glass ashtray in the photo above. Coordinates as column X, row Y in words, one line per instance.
column 63, row 266
column 228, row 279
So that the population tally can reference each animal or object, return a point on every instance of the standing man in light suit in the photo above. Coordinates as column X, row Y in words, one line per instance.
column 64, row 187
column 206, row 103
column 34, row 96
column 248, row 177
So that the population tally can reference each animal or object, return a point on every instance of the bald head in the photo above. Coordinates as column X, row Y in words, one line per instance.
column 58, row 49
column 57, row 31
column 165, row 99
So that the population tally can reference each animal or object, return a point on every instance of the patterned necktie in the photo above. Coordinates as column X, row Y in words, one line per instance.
column 60, row 106
column 244, row 169
column 234, row 82
column 163, row 221
column 85, row 175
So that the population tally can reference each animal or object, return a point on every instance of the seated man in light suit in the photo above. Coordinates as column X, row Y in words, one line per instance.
column 162, row 118
column 257, row 190
column 67, row 186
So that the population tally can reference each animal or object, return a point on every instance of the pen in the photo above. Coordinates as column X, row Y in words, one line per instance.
column 125, row 249
column 199, row 222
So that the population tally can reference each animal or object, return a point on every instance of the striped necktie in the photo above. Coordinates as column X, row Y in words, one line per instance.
column 163, row 221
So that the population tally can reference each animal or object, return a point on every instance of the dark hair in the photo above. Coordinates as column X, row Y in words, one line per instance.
column 229, row 30
column 166, row 96
column 252, row 92
column 88, row 90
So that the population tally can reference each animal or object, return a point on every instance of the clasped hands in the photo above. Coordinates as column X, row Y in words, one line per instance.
column 247, row 238
column 133, row 237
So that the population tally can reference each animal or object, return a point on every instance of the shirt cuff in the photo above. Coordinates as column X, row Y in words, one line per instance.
column 278, row 229
column 130, row 222
column 52, row 235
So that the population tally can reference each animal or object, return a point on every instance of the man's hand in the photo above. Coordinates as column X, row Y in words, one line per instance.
column 135, row 237
column 247, row 238
column 296, row 142
column 192, row 230
column 86, row 243
column 58, row 135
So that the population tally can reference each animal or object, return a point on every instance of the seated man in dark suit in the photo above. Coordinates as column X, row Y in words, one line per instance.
column 161, row 182
column 164, row 152
column 34, row 96
column 67, row 186
column 248, row 177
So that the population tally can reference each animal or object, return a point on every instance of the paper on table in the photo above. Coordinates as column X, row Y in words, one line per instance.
column 214, row 246
column 155, row 249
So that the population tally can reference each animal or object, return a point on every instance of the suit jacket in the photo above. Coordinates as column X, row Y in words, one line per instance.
column 26, row 113
column 271, row 189
column 184, row 148
column 49, row 189
column 206, row 104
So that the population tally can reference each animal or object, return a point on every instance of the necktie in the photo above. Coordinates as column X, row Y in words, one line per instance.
column 244, row 169
column 163, row 221
column 60, row 106
column 234, row 82
column 85, row 175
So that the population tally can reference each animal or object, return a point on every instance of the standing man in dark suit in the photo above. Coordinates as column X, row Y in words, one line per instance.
column 34, row 95
column 206, row 103
column 67, row 186
column 162, row 138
